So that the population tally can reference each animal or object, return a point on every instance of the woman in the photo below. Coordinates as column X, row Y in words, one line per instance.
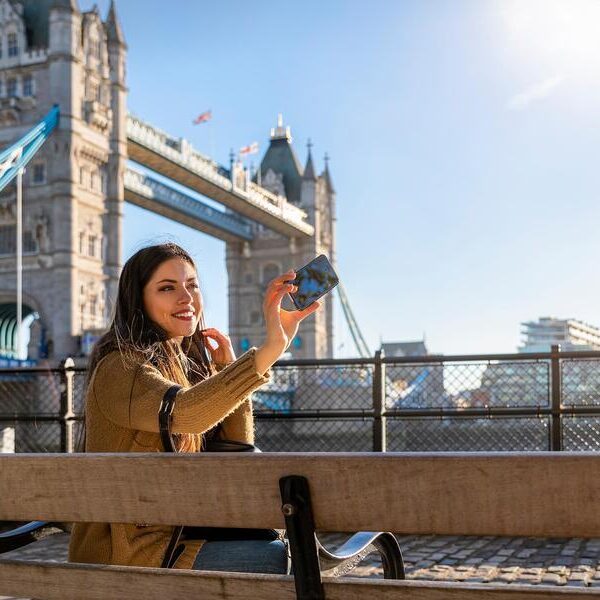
column 157, row 339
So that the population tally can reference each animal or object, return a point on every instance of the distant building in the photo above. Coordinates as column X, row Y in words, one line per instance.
column 398, row 349
column 570, row 334
column 418, row 385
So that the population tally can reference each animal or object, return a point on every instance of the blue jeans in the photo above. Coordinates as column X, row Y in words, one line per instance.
column 244, row 556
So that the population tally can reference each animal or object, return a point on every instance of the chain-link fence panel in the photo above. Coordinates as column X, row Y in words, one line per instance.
column 513, row 384
column 30, row 393
column 29, row 436
column 314, row 435
column 467, row 434
column 467, row 385
column 581, row 433
column 580, row 382
column 415, row 386
column 316, row 387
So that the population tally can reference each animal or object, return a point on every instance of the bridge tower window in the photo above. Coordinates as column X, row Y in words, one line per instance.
column 39, row 173
column 92, row 245
column 28, row 85
column 11, row 87
column 13, row 45
column 270, row 271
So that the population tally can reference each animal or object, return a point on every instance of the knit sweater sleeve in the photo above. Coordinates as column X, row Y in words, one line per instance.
column 130, row 396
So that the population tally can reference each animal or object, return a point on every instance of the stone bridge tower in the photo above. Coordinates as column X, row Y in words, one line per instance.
column 251, row 265
column 52, row 53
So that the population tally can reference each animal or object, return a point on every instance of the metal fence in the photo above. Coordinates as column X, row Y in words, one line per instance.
column 504, row 402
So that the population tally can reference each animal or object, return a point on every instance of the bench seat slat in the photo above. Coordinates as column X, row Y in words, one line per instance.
column 52, row 581
column 536, row 494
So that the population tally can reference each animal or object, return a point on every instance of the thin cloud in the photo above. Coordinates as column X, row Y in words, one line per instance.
column 535, row 92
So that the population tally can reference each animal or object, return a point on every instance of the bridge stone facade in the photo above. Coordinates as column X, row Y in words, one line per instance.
column 51, row 53
column 74, row 188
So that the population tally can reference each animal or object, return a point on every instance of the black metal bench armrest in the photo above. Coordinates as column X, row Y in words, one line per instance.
column 361, row 544
column 26, row 534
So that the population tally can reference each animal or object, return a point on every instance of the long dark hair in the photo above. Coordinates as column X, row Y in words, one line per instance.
column 142, row 341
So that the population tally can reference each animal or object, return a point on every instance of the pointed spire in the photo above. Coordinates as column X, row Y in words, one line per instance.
column 309, row 170
column 327, row 175
column 113, row 27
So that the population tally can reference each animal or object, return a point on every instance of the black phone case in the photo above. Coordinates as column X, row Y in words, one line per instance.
column 300, row 306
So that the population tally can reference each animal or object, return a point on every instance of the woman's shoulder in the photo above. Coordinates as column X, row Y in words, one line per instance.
column 117, row 363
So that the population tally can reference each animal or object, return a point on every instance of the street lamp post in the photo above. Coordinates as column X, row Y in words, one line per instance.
column 19, row 259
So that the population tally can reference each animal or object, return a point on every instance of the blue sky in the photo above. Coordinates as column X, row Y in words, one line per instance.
column 463, row 137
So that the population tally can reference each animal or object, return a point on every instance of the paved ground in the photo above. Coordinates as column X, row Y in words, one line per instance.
column 551, row 561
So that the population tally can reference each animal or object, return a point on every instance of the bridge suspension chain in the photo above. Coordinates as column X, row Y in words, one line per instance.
column 355, row 332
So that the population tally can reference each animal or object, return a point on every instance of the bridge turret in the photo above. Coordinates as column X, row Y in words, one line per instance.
column 113, row 27
column 309, row 170
column 309, row 189
column 117, row 159
column 253, row 264
column 280, row 169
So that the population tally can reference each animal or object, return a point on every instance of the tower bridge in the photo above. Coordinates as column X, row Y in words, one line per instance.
column 179, row 161
column 52, row 53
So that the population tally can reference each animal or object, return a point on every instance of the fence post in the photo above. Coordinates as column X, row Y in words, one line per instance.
column 379, row 420
column 66, row 405
column 555, row 397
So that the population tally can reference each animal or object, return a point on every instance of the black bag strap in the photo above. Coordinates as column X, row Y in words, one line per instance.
column 165, row 417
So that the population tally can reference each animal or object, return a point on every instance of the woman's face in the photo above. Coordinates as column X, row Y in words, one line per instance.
column 172, row 298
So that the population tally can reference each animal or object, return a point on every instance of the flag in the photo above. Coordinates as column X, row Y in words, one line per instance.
column 251, row 149
column 203, row 117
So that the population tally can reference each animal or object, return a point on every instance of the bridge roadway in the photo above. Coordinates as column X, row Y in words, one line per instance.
column 175, row 159
column 146, row 191
column 498, row 560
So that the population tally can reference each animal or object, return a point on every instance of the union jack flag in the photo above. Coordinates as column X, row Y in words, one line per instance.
column 203, row 117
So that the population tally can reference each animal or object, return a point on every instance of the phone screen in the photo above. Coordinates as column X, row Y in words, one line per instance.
column 313, row 280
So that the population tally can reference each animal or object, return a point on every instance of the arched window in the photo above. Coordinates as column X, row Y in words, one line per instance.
column 270, row 271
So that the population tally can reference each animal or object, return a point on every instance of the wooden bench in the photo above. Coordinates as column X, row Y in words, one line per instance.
column 500, row 494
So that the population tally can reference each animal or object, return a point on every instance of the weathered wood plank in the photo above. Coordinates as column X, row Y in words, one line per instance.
column 535, row 494
column 51, row 581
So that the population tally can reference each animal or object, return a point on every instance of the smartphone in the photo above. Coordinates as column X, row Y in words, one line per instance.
column 313, row 280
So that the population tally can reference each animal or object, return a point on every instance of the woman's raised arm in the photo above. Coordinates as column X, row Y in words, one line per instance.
column 282, row 325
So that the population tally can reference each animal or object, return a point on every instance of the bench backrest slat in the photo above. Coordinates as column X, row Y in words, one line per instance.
column 537, row 494
column 53, row 581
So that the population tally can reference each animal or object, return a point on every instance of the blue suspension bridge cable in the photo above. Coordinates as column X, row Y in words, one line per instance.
column 355, row 332
column 14, row 158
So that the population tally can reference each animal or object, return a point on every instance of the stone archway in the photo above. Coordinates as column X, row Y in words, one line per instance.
column 34, row 343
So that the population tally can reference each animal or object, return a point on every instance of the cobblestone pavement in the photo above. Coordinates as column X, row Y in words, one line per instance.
column 550, row 561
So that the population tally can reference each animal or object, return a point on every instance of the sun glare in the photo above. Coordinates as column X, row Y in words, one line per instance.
column 562, row 32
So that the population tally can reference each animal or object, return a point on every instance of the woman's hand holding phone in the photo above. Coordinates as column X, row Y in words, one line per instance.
column 282, row 325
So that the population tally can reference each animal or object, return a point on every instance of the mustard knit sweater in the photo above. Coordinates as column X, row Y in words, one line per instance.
column 121, row 415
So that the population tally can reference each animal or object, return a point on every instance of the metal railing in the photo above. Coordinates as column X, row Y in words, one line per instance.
column 524, row 402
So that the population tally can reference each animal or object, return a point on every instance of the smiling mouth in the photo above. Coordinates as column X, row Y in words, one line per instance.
column 187, row 315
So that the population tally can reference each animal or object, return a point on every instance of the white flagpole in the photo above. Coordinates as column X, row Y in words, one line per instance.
column 19, row 258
